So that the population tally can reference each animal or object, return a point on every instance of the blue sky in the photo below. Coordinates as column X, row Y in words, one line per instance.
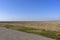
column 29, row 10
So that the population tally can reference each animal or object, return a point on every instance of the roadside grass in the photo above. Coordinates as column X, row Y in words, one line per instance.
column 50, row 34
column 46, row 33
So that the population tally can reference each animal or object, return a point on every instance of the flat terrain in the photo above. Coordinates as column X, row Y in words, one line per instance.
column 8, row 34
column 51, row 26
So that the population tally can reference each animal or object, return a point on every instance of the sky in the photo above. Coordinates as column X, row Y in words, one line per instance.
column 29, row 10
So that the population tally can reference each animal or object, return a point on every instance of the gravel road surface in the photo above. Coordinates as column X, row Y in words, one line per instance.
column 8, row 34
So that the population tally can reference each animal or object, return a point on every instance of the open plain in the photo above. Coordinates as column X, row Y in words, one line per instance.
column 8, row 34
column 51, row 26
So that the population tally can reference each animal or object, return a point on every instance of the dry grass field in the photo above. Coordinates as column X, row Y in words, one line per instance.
column 48, row 29
column 51, row 26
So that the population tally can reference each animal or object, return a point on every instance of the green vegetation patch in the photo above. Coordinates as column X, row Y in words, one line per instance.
column 50, row 34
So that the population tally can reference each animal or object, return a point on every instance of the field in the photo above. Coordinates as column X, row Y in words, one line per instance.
column 48, row 29
column 51, row 26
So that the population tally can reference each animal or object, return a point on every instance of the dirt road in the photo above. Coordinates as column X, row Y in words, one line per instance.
column 8, row 34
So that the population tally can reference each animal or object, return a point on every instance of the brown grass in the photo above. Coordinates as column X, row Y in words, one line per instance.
column 48, row 29
column 51, row 26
